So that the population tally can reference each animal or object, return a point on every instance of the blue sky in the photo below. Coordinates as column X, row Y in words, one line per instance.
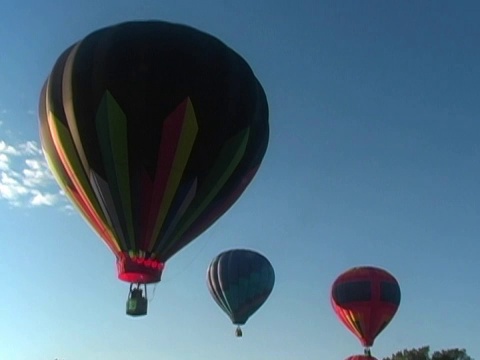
column 374, row 158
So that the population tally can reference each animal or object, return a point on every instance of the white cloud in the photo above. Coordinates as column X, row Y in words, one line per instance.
column 25, row 179
column 30, row 148
column 8, row 149
column 10, row 188
column 36, row 173
column 4, row 162
column 43, row 199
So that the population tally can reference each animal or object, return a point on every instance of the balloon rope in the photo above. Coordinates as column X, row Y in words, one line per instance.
column 192, row 260
column 153, row 292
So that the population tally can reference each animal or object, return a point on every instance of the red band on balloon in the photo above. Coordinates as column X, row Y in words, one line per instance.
column 139, row 270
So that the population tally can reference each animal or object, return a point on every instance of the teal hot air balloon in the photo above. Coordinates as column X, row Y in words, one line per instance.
column 153, row 130
column 240, row 281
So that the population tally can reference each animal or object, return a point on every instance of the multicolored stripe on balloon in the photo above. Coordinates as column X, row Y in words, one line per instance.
column 171, row 207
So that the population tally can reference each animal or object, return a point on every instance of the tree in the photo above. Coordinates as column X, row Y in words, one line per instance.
column 412, row 354
column 423, row 354
column 451, row 354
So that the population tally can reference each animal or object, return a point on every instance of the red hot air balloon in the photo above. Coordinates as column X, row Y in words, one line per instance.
column 361, row 357
column 365, row 299
column 153, row 130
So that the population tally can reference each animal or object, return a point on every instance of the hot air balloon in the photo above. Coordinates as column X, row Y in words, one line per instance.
column 153, row 130
column 361, row 357
column 365, row 299
column 240, row 281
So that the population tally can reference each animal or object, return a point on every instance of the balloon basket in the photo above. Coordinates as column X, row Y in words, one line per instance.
column 238, row 332
column 137, row 304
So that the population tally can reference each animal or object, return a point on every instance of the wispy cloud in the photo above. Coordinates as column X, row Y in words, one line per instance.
column 25, row 179
column 8, row 149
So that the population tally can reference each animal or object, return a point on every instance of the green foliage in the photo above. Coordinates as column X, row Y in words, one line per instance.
column 423, row 354
column 451, row 354
column 412, row 354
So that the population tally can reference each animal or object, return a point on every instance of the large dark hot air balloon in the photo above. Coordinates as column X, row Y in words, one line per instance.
column 365, row 299
column 153, row 130
column 240, row 281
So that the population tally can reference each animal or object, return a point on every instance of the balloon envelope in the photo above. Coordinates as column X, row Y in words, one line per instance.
column 153, row 130
column 365, row 299
column 240, row 281
column 361, row 357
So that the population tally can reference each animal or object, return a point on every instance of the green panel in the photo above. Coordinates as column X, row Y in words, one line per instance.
column 112, row 133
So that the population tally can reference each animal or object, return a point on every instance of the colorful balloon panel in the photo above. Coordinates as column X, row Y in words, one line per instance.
column 153, row 130
column 365, row 299
column 240, row 281
column 361, row 357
